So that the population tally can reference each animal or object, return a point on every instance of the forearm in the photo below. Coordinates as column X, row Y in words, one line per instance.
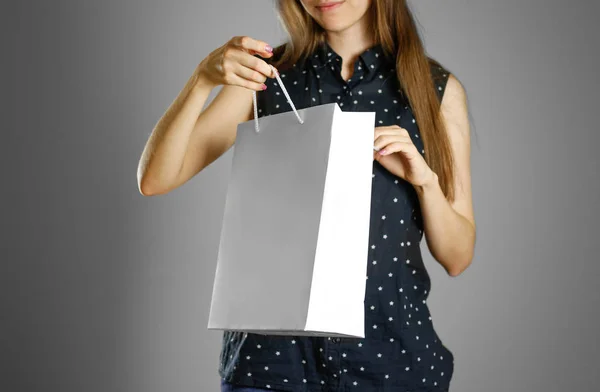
column 165, row 149
column 450, row 236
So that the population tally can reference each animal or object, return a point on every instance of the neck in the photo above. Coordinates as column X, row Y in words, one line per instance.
column 351, row 42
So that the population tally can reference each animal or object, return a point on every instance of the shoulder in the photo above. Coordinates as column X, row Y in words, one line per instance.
column 449, row 89
column 440, row 75
column 455, row 92
column 452, row 94
column 454, row 106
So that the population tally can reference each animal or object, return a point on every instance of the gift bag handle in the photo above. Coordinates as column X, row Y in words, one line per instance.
column 284, row 92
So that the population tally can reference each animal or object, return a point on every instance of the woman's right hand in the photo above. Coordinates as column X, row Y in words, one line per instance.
column 234, row 63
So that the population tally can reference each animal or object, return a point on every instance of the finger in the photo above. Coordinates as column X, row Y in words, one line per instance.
column 249, row 74
column 393, row 136
column 253, row 46
column 408, row 149
column 393, row 131
column 259, row 65
column 390, row 130
column 383, row 140
column 243, row 82
column 253, row 63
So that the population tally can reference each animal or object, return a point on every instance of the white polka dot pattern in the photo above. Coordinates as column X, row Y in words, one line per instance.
column 401, row 351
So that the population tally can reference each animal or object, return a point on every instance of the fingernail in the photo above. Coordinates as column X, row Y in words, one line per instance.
column 269, row 49
column 264, row 86
column 382, row 152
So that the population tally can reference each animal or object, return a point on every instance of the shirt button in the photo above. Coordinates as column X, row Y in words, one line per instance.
column 336, row 340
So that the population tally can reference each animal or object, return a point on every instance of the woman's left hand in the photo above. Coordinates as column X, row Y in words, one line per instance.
column 398, row 154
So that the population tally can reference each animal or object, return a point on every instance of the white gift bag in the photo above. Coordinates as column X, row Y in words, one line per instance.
column 293, row 252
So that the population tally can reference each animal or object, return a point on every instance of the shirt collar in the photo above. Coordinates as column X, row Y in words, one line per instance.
column 372, row 58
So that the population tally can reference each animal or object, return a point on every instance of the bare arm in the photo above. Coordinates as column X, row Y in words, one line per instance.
column 187, row 139
column 216, row 129
column 450, row 228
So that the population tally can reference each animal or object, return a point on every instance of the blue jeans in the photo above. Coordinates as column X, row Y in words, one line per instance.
column 227, row 387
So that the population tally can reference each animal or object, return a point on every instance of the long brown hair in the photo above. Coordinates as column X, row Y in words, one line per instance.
column 395, row 29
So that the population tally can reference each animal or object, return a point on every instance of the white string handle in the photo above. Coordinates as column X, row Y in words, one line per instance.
column 284, row 92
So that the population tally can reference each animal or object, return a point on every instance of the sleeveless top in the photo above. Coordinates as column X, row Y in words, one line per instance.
column 401, row 351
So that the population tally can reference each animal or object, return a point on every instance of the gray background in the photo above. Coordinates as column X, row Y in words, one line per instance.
column 103, row 289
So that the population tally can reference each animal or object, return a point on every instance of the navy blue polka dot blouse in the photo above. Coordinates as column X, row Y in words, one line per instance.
column 401, row 351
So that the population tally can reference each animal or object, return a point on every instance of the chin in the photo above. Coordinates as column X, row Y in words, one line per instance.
column 336, row 26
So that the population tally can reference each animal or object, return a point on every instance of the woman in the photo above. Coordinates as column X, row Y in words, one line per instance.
column 366, row 55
